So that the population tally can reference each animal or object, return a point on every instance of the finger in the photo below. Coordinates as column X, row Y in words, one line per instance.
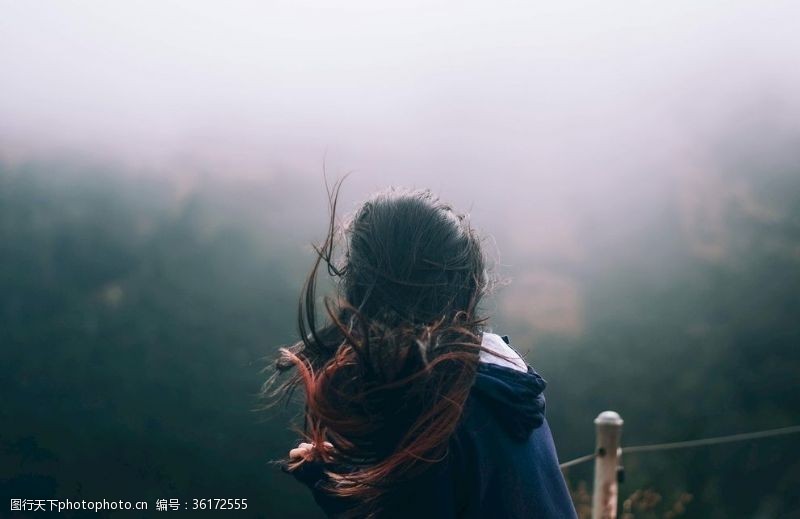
column 299, row 452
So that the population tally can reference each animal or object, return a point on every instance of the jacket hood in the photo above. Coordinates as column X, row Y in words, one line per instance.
column 510, row 388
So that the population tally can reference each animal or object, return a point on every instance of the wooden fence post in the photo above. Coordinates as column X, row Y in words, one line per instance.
column 604, row 493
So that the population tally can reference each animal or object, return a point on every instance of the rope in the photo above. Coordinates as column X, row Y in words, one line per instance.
column 692, row 443
column 713, row 441
column 578, row 461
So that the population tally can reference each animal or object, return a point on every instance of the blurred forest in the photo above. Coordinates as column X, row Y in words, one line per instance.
column 136, row 317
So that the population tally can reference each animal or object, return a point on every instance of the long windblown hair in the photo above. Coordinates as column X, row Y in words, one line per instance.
column 387, row 374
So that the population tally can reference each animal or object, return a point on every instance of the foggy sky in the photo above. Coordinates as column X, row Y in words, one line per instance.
column 416, row 88
column 576, row 104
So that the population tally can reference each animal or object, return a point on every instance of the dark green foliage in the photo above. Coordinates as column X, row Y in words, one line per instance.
column 707, row 348
column 133, row 329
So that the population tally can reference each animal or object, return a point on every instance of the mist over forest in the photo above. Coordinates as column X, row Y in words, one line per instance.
column 137, row 317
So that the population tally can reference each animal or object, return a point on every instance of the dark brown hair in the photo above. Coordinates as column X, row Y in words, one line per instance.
column 387, row 375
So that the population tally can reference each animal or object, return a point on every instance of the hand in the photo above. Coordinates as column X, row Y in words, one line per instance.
column 306, row 451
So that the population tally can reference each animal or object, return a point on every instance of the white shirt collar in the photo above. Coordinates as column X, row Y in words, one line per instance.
column 495, row 344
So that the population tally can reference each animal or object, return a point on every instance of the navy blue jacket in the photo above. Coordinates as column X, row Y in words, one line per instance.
column 501, row 461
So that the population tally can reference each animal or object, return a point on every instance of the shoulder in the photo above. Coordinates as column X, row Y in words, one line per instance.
column 498, row 476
